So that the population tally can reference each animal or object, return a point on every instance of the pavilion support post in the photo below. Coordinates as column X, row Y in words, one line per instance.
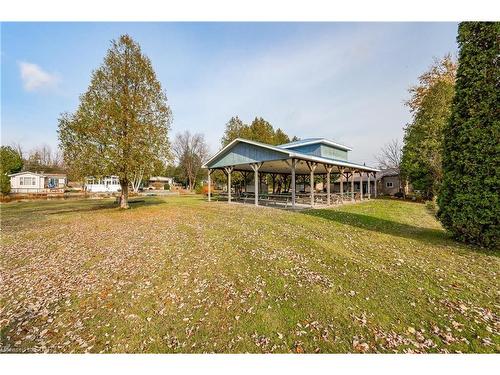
column 209, row 184
column 312, row 166
column 292, row 182
column 361, row 185
column 228, row 170
column 375, row 184
column 256, row 167
column 352, row 186
column 292, row 165
column 369, row 188
column 341, row 171
column 328, row 174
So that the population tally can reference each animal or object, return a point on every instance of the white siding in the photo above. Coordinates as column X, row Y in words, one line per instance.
column 103, row 185
column 27, row 183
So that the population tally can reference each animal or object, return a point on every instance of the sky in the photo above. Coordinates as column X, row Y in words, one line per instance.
column 343, row 81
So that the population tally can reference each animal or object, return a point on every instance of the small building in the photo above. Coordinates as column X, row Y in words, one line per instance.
column 33, row 182
column 389, row 182
column 159, row 182
column 107, row 184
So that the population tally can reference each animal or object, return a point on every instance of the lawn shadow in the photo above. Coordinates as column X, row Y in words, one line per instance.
column 32, row 211
column 393, row 228
column 376, row 224
column 108, row 204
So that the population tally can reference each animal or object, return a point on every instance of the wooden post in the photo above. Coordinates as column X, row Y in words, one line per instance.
column 328, row 176
column 312, row 166
column 209, row 173
column 229, row 186
column 256, row 185
column 341, row 170
column 352, row 186
column 229, row 170
column 369, row 187
column 361, row 185
column 255, row 167
column 375, row 184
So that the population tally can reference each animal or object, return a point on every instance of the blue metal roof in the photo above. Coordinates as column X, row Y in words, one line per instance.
column 251, row 152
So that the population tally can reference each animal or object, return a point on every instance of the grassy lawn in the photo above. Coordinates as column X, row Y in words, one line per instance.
column 184, row 275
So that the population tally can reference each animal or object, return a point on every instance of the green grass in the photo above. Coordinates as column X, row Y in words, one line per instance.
column 184, row 275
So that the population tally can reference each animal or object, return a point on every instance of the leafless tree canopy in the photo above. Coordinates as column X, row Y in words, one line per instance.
column 390, row 155
column 190, row 150
column 42, row 159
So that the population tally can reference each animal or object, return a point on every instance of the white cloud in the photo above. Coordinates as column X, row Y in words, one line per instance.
column 35, row 78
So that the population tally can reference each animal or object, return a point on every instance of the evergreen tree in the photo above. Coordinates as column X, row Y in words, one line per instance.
column 235, row 128
column 469, row 197
column 280, row 137
column 259, row 130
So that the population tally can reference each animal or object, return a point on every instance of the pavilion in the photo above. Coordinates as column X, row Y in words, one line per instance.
column 307, row 157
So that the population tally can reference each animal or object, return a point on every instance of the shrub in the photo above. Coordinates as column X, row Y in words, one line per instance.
column 199, row 189
column 4, row 184
column 166, row 186
column 469, row 198
column 10, row 162
column 431, row 206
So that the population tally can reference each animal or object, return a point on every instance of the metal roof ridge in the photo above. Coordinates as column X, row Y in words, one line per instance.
column 309, row 141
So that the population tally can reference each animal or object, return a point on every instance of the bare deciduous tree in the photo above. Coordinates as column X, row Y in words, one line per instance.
column 42, row 158
column 390, row 155
column 190, row 150
column 18, row 148
column 390, row 158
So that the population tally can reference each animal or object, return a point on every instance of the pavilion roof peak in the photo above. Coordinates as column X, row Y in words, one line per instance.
column 310, row 141
column 286, row 152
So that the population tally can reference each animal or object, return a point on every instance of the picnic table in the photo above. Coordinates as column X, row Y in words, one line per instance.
column 286, row 198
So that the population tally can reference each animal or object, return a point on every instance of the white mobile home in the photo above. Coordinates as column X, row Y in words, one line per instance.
column 31, row 182
column 108, row 184
column 159, row 182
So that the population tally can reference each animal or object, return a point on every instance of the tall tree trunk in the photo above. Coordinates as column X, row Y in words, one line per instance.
column 124, row 195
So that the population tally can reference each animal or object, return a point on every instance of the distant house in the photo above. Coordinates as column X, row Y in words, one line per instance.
column 32, row 182
column 389, row 182
column 108, row 184
column 159, row 182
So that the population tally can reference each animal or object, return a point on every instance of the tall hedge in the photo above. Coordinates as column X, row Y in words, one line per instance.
column 469, row 198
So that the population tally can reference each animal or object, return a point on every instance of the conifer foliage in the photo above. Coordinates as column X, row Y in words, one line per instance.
column 469, row 198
